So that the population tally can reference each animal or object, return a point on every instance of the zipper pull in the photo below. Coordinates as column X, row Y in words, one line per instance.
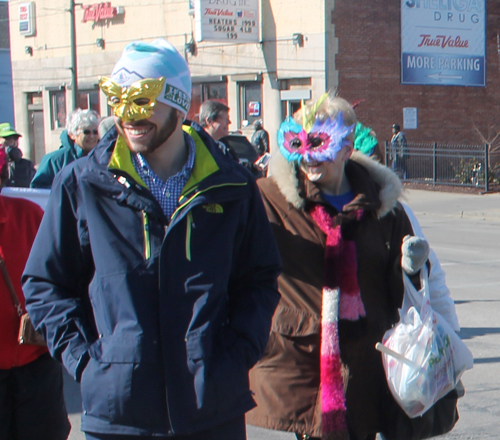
column 123, row 181
column 147, row 242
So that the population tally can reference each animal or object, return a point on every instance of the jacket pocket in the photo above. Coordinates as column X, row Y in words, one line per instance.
column 220, row 376
column 95, row 391
column 122, row 383
column 197, row 361
column 229, row 372
column 295, row 339
column 294, row 322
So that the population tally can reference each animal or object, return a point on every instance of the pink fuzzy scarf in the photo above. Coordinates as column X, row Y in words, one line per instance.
column 341, row 299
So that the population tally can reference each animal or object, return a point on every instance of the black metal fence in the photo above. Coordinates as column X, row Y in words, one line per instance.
column 439, row 164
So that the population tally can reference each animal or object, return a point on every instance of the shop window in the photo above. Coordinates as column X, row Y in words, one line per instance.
column 216, row 91
column 250, row 102
column 288, row 108
column 58, row 109
column 204, row 91
column 35, row 99
column 88, row 99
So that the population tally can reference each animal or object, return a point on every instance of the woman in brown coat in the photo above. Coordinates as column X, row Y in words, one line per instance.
column 339, row 227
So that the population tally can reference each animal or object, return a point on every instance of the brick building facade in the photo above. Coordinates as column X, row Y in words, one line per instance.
column 304, row 48
column 369, row 66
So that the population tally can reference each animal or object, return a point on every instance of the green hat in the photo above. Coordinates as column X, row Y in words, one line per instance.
column 7, row 130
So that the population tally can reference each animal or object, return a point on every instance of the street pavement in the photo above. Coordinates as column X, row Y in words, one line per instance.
column 464, row 231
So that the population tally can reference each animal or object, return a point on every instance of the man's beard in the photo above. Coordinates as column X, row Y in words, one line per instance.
column 161, row 135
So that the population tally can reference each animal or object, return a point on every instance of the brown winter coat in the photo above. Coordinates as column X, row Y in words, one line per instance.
column 286, row 382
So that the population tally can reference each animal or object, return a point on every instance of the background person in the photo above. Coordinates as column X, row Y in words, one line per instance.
column 21, row 170
column 8, row 136
column 153, row 276
column 214, row 118
column 260, row 138
column 77, row 140
column 365, row 141
column 399, row 151
column 31, row 384
column 105, row 125
column 339, row 227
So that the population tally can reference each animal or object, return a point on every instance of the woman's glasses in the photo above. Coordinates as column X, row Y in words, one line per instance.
column 87, row 132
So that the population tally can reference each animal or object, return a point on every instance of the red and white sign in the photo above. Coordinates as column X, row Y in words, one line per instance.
column 27, row 19
column 254, row 108
column 100, row 12
column 234, row 21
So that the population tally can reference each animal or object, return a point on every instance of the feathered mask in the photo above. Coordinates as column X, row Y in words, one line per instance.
column 317, row 139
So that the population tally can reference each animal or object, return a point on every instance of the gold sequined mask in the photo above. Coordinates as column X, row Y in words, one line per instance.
column 134, row 102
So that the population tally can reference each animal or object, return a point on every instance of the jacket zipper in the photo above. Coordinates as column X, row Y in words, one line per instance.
column 175, row 215
column 189, row 225
column 147, row 242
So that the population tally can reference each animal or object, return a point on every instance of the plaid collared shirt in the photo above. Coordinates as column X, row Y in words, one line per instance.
column 167, row 193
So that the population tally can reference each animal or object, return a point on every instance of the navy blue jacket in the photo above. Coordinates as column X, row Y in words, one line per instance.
column 160, row 319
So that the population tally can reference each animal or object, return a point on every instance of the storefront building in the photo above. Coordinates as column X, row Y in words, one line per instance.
column 431, row 66
column 262, row 57
column 7, row 108
column 284, row 61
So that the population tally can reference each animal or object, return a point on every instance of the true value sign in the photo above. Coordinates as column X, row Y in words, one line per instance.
column 100, row 12
column 443, row 42
column 235, row 21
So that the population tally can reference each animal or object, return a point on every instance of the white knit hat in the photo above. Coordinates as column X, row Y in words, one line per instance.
column 141, row 60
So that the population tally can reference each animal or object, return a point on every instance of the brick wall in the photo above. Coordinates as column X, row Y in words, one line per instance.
column 369, row 68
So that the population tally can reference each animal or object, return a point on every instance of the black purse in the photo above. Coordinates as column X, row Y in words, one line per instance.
column 438, row 420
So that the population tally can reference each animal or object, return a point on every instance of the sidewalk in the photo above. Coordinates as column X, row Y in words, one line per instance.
column 457, row 205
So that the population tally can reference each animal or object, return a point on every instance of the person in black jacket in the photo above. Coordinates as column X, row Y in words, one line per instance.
column 398, row 152
column 260, row 138
column 20, row 170
column 153, row 276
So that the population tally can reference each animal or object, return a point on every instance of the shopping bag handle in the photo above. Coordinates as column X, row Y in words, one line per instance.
column 383, row 349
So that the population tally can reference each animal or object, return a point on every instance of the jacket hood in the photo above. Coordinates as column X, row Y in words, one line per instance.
column 391, row 188
column 68, row 144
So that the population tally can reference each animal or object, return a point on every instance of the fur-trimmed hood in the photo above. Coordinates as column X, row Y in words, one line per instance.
column 391, row 188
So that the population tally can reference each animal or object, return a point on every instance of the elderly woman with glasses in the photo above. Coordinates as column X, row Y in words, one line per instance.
column 78, row 139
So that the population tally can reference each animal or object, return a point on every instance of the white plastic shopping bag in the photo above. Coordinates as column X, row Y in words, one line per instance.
column 423, row 357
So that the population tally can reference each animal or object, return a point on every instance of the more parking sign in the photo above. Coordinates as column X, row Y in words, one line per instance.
column 443, row 42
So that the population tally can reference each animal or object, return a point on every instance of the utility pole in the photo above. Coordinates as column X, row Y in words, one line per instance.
column 73, row 68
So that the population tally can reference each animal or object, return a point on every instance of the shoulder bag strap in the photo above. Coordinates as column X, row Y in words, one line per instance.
column 10, row 286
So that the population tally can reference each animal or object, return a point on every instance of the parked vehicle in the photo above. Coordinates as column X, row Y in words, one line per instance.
column 245, row 152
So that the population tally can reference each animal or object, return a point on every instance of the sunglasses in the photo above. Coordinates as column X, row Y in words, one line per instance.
column 87, row 132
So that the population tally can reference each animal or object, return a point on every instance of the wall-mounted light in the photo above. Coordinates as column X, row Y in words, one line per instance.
column 298, row 40
column 99, row 43
column 190, row 47
column 28, row 50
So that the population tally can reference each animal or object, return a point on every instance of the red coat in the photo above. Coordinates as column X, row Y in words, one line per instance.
column 19, row 221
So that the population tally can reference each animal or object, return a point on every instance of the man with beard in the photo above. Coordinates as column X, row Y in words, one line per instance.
column 153, row 276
